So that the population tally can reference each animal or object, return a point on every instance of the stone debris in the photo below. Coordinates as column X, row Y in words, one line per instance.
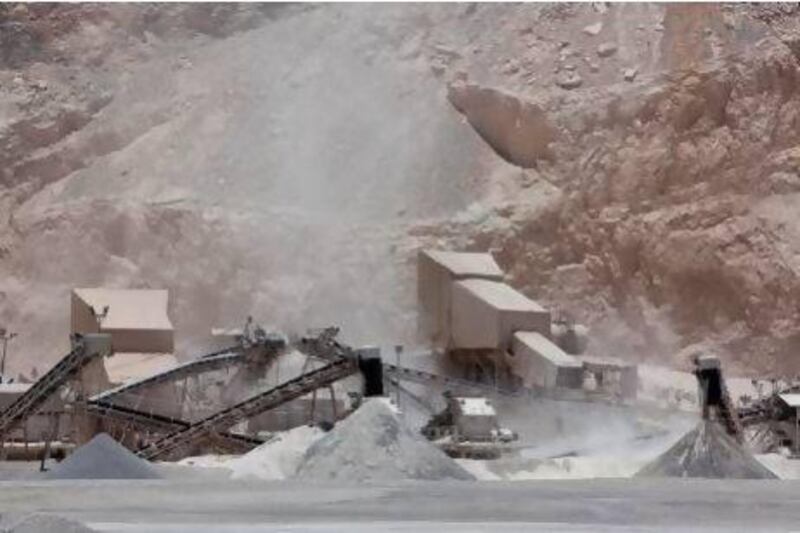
column 569, row 80
column 593, row 29
column 606, row 49
column 707, row 452
column 630, row 74
column 373, row 445
column 44, row 523
column 277, row 458
column 103, row 458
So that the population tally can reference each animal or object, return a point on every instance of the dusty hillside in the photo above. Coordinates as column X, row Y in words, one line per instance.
column 635, row 165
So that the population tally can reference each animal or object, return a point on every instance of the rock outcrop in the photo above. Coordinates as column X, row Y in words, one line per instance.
column 285, row 152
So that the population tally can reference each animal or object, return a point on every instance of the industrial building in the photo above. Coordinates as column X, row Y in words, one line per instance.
column 121, row 375
column 498, row 335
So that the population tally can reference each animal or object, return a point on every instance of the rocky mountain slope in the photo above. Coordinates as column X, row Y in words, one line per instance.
column 633, row 165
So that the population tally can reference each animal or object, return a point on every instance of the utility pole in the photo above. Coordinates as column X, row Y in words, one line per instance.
column 5, row 336
column 398, row 349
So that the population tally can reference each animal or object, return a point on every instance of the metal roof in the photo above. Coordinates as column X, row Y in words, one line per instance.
column 138, row 309
column 500, row 296
column 595, row 362
column 547, row 349
column 476, row 407
column 466, row 264
column 790, row 399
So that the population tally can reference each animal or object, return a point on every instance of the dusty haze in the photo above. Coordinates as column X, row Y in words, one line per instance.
column 636, row 165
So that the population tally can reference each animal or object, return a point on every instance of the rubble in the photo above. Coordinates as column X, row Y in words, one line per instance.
column 569, row 80
column 593, row 29
column 373, row 445
column 277, row 458
column 629, row 74
column 606, row 49
column 103, row 458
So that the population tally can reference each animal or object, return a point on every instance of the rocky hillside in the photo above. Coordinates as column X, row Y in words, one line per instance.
column 634, row 165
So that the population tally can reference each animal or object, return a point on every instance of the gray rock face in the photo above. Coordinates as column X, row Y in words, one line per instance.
column 103, row 458
column 707, row 452
column 374, row 445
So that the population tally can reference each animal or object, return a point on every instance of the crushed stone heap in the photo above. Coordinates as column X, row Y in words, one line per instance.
column 277, row 458
column 44, row 523
column 373, row 444
column 103, row 458
column 707, row 452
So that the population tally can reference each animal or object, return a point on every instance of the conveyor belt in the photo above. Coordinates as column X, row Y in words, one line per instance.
column 203, row 364
column 161, row 422
column 730, row 415
column 265, row 401
column 426, row 378
column 391, row 371
column 84, row 349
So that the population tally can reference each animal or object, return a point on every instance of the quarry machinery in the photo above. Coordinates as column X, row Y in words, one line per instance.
column 84, row 349
column 714, row 396
column 295, row 388
column 161, row 425
column 216, row 361
column 253, row 353
column 342, row 362
column 773, row 421
column 468, row 427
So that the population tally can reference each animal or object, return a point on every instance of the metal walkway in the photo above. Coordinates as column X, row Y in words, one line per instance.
column 270, row 399
column 84, row 349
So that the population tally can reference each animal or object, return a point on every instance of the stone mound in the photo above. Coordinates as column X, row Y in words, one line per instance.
column 44, row 523
column 373, row 444
column 277, row 458
column 707, row 452
column 103, row 458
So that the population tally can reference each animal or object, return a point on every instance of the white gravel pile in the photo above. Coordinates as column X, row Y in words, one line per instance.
column 707, row 452
column 277, row 458
column 44, row 523
column 103, row 458
column 373, row 444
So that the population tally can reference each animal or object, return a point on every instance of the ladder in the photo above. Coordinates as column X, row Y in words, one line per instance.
column 50, row 382
column 270, row 399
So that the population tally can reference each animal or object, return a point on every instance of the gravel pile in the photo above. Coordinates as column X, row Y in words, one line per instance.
column 373, row 444
column 44, row 523
column 277, row 458
column 103, row 458
column 707, row 452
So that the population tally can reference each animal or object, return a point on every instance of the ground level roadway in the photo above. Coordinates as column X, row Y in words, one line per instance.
column 561, row 506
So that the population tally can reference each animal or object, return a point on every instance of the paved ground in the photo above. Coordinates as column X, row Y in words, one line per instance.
column 599, row 505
